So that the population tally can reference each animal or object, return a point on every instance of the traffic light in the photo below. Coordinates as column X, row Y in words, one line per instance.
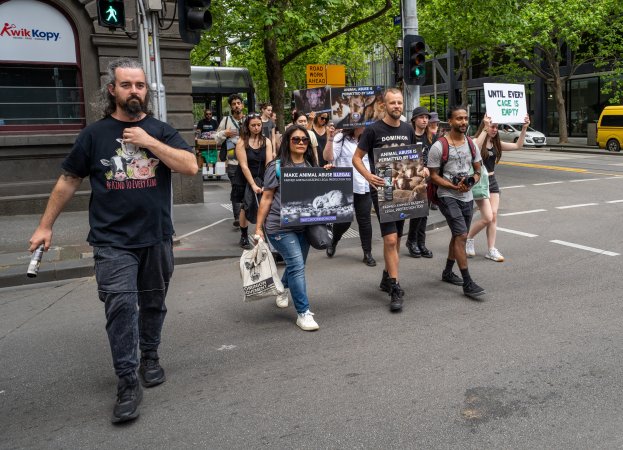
column 111, row 13
column 194, row 17
column 414, row 60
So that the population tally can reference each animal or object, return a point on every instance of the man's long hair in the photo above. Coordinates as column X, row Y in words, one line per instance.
column 106, row 102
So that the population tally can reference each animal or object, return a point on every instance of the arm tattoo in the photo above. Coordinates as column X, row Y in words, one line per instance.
column 68, row 175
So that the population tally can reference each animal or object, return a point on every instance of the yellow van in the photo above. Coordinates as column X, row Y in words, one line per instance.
column 610, row 128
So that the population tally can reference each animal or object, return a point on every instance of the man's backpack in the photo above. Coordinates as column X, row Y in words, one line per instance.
column 431, row 188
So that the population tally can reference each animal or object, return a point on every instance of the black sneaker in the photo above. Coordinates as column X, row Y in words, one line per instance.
column 236, row 223
column 396, row 295
column 244, row 243
column 452, row 278
column 150, row 371
column 385, row 285
column 414, row 251
column 472, row 290
column 129, row 396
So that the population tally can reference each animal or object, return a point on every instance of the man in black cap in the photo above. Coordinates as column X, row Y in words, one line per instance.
column 416, row 240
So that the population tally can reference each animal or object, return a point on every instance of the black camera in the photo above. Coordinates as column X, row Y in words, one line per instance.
column 467, row 179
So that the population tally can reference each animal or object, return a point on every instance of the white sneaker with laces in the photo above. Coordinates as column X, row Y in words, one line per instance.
column 494, row 255
column 306, row 322
column 282, row 299
column 469, row 248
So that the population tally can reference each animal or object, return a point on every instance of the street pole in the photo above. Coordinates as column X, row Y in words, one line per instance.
column 149, row 51
column 410, row 26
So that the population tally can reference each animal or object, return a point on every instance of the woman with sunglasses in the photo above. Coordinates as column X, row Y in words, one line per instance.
column 323, row 131
column 253, row 152
column 295, row 151
column 491, row 147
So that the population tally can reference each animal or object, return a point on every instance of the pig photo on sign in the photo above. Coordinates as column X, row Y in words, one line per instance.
column 143, row 168
column 117, row 168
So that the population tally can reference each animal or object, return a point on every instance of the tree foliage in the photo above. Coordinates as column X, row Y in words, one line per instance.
column 275, row 39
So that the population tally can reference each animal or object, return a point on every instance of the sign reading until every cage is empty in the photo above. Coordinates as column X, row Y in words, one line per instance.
column 316, row 75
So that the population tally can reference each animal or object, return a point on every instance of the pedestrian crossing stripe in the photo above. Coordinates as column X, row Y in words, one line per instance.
column 349, row 234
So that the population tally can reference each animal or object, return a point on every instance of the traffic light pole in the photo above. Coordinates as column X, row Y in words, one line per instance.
column 149, row 51
column 410, row 26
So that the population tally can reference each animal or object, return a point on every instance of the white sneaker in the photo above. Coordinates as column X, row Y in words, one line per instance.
column 282, row 299
column 494, row 255
column 469, row 248
column 306, row 321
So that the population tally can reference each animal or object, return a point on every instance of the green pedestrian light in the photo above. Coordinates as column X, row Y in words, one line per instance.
column 111, row 13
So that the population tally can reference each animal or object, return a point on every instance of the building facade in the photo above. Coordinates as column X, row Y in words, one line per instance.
column 53, row 55
column 584, row 100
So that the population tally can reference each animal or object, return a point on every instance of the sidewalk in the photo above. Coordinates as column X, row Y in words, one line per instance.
column 204, row 232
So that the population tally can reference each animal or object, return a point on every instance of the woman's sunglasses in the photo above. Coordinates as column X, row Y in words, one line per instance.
column 298, row 140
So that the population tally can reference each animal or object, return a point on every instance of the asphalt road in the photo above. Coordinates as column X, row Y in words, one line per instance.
column 537, row 364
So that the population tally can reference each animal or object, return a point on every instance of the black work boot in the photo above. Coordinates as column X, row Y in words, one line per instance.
column 396, row 294
column 414, row 250
column 129, row 396
column 150, row 371
column 385, row 286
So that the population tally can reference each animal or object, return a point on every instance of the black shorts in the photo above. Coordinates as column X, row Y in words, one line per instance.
column 494, row 188
column 458, row 214
column 387, row 227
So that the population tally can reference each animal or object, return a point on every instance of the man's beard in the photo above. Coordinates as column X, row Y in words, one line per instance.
column 395, row 114
column 133, row 107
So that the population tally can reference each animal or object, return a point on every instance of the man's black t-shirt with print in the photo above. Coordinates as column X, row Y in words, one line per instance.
column 379, row 134
column 130, row 203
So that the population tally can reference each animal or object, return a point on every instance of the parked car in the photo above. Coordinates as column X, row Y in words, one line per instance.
column 610, row 128
column 511, row 132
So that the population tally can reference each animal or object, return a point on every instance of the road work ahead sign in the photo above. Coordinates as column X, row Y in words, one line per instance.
column 506, row 103
column 319, row 75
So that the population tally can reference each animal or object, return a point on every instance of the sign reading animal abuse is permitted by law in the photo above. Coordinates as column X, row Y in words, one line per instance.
column 404, row 194
column 311, row 195
column 506, row 103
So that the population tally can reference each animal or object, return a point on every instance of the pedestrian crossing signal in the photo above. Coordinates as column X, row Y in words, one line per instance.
column 111, row 13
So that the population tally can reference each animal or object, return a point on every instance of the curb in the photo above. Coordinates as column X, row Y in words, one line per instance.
column 78, row 268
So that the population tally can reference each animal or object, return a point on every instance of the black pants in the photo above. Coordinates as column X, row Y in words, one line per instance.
column 417, row 230
column 363, row 208
column 235, row 196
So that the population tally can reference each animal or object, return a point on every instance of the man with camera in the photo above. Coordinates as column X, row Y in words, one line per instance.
column 450, row 172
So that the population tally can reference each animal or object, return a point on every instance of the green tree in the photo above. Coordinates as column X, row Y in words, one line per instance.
column 281, row 31
column 549, row 34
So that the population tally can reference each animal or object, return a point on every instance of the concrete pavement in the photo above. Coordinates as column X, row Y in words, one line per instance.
column 203, row 233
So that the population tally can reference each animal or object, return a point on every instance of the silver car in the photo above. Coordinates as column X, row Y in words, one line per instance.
column 511, row 132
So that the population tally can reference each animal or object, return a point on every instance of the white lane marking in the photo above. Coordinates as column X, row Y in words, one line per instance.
column 545, row 184
column 350, row 234
column 615, row 164
column 583, row 247
column 520, row 233
column 522, row 212
column 577, row 206
column 226, row 347
column 513, row 187
column 617, row 177
column 227, row 206
column 586, row 179
column 201, row 229
column 615, row 201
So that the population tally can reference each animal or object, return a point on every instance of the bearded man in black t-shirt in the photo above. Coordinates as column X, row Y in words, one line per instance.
column 390, row 131
column 128, row 156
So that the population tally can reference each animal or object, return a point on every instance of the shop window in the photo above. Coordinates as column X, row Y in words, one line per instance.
column 40, row 79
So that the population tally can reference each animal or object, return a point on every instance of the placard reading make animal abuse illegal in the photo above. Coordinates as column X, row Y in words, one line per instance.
column 506, row 103
column 311, row 195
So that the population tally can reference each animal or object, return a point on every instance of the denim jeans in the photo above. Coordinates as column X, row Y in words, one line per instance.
column 133, row 284
column 293, row 247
